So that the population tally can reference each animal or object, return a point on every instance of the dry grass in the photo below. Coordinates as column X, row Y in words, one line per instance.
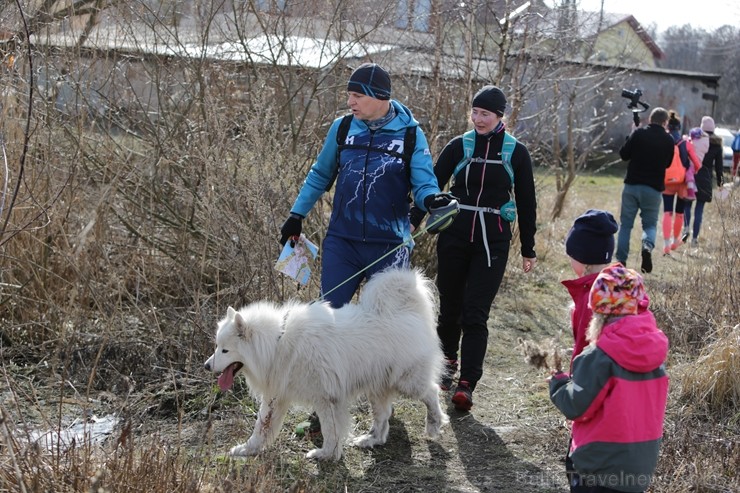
column 547, row 355
column 714, row 378
column 128, row 250
column 143, row 362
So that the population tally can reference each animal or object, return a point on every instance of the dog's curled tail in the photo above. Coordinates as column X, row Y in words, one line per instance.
column 397, row 290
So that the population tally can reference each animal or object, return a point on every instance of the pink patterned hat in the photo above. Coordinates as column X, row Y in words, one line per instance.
column 617, row 290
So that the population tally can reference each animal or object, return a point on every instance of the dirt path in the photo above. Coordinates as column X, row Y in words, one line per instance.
column 511, row 441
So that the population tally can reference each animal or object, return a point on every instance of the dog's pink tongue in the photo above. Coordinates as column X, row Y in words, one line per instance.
column 226, row 380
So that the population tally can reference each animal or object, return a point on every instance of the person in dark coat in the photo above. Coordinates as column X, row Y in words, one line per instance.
column 649, row 150
column 473, row 252
column 712, row 161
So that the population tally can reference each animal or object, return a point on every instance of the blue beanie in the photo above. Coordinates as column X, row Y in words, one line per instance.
column 591, row 239
column 371, row 80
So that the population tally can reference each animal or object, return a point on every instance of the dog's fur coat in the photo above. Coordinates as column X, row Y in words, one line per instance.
column 312, row 354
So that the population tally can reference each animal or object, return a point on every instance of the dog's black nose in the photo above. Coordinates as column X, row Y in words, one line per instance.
column 207, row 366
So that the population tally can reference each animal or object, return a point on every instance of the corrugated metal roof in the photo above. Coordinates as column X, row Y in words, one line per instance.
column 297, row 51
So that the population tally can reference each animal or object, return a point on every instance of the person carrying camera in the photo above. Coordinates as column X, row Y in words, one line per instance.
column 649, row 151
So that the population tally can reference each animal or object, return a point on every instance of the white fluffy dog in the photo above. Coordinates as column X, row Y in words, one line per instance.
column 312, row 354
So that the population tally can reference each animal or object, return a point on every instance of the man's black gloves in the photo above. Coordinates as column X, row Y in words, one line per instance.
column 438, row 200
column 442, row 207
column 292, row 228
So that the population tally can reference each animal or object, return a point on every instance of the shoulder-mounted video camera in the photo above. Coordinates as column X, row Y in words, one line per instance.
column 635, row 105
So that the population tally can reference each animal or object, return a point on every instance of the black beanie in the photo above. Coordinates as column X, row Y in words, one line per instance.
column 370, row 79
column 591, row 239
column 490, row 98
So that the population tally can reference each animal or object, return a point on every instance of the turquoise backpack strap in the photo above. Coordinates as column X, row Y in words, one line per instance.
column 468, row 147
column 507, row 150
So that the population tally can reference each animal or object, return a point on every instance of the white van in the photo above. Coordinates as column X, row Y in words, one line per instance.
column 727, row 138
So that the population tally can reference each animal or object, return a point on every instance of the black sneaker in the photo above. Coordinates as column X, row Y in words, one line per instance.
column 685, row 237
column 448, row 375
column 647, row 260
column 463, row 398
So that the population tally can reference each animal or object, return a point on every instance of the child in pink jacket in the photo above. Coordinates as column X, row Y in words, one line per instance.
column 697, row 147
column 617, row 391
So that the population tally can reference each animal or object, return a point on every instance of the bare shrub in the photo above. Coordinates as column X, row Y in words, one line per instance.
column 546, row 355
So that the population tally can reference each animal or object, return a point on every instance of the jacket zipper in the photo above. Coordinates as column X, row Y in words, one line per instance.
column 364, row 187
column 480, row 192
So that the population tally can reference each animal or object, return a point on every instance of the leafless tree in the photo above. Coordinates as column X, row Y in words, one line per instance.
column 692, row 49
column 170, row 137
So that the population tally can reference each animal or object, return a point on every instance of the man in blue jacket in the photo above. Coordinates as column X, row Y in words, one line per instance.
column 374, row 176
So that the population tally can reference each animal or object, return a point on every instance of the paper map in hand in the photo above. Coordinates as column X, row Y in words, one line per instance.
column 295, row 261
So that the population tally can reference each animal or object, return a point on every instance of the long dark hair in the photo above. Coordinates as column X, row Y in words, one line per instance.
column 674, row 121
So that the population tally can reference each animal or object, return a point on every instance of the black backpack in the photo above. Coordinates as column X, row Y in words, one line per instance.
column 409, row 143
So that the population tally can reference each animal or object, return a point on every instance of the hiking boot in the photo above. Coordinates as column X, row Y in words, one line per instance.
column 685, row 237
column 647, row 260
column 448, row 375
column 463, row 398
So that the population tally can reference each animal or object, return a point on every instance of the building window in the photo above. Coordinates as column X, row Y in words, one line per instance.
column 270, row 5
column 413, row 14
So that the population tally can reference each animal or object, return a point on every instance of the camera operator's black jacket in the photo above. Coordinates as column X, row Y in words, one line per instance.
column 649, row 151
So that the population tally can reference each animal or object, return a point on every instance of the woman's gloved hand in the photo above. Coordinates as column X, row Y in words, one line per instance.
column 442, row 207
column 438, row 200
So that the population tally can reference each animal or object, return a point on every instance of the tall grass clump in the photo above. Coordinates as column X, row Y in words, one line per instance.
column 713, row 380
column 697, row 307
